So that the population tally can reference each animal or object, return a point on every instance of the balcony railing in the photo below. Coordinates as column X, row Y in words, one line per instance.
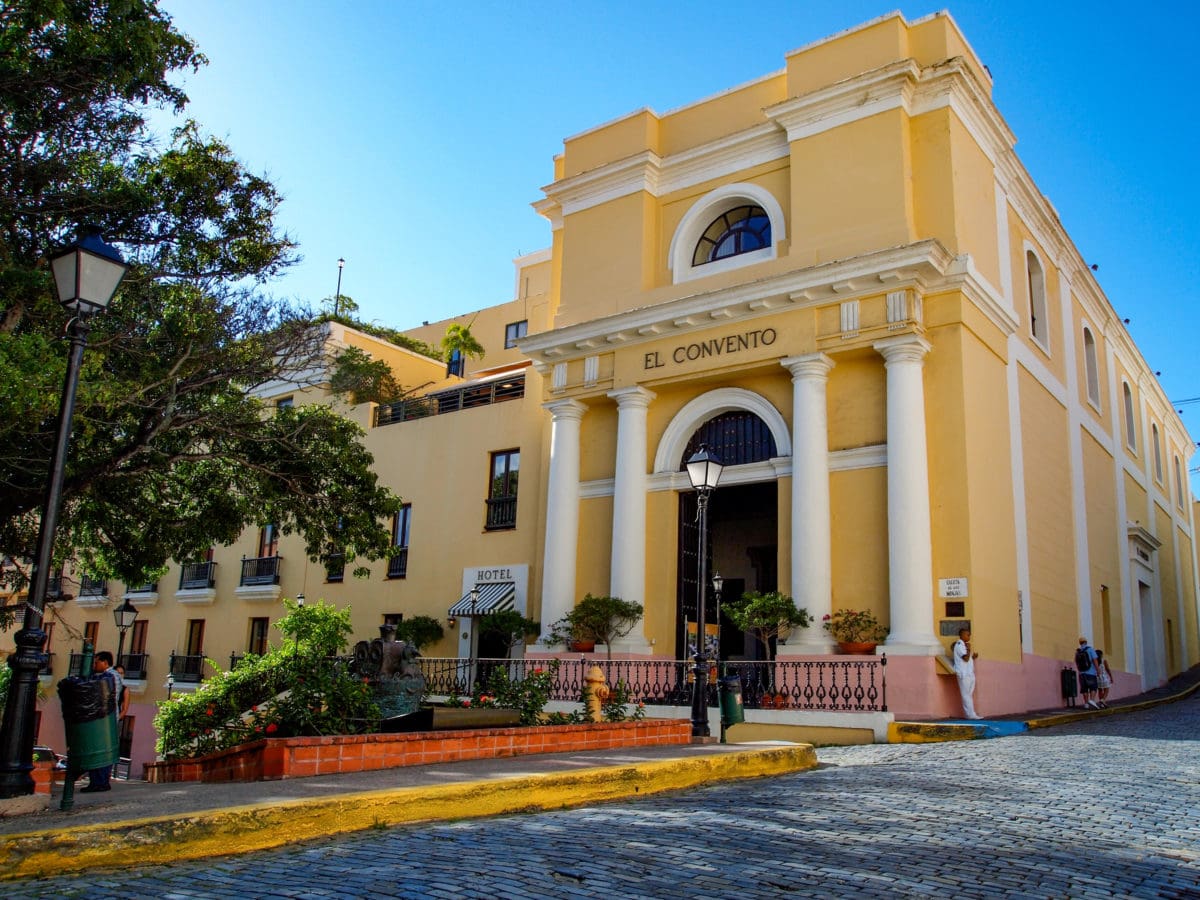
column 92, row 587
column 54, row 586
column 501, row 513
column 75, row 666
column 135, row 665
column 833, row 685
column 197, row 576
column 260, row 570
column 149, row 587
column 48, row 668
column 187, row 667
column 467, row 397
column 398, row 564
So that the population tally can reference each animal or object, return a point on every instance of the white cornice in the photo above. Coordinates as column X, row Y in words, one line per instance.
column 923, row 264
column 888, row 87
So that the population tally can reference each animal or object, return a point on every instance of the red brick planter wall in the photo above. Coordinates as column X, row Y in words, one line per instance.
column 271, row 759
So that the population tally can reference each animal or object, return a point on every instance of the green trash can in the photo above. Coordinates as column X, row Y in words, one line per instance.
column 732, row 712
column 89, row 715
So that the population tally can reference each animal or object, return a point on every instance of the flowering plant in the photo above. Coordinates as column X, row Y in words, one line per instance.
column 848, row 626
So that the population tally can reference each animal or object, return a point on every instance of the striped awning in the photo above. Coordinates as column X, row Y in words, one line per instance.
column 493, row 597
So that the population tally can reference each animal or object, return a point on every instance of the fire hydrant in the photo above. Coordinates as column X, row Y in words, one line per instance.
column 597, row 693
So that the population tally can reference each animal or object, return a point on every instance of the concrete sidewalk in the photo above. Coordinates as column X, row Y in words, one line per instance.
column 1179, row 687
column 141, row 824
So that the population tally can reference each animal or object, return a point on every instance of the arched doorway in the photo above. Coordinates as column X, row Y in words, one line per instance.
column 742, row 531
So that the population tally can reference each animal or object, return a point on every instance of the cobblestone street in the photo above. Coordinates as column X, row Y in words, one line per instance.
column 1101, row 808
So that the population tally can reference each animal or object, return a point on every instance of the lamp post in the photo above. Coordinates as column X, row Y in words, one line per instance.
column 299, row 606
column 704, row 471
column 86, row 275
column 718, row 582
column 474, row 648
column 337, row 300
column 170, row 684
column 124, row 615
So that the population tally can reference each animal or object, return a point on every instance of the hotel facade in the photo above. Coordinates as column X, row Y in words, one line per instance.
column 842, row 280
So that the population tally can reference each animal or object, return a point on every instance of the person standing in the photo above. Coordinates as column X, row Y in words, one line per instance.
column 1085, row 662
column 1103, row 679
column 99, row 778
column 964, row 667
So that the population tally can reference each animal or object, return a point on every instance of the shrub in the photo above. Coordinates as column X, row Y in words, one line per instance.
column 600, row 619
column 855, row 627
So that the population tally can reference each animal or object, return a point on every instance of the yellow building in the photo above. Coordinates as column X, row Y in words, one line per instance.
column 841, row 279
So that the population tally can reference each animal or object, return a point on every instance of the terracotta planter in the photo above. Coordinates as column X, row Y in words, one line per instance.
column 581, row 646
column 857, row 647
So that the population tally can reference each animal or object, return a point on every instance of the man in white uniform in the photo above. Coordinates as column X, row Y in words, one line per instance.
column 964, row 668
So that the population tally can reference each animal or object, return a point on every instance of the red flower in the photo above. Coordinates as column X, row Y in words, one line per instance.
column 466, row 702
column 258, row 728
column 272, row 728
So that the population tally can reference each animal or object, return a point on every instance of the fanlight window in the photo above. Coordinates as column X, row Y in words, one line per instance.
column 740, row 230
column 735, row 438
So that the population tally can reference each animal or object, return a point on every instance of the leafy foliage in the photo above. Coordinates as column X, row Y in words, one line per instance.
column 621, row 705
column 458, row 337
column 171, row 451
column 601, row 619
column 528, row 695
column 854, row 626
column 363, row 378
column 769, row 616
column 420, row 631
column 297, row 688
column 391, row 335
column 508, row 626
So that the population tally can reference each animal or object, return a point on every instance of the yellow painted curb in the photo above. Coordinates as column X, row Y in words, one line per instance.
column 262, row 826
column 1064, row 718
column 931, row 733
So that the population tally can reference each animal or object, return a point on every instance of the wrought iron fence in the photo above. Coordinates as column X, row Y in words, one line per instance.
column 187, row 668
column 398, row 564
column 197, row 576
column 833, row 685
column 501, row 513
column 135, row 665
column 260, row 570
column 90, row 586
column 466, row 397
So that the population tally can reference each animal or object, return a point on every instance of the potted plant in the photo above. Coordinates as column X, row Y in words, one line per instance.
column 595, row 620
column 856, row 631
column 420, row 631
column 768, row 616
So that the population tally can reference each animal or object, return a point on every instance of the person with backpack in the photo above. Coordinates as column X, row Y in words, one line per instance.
column 1085, row 662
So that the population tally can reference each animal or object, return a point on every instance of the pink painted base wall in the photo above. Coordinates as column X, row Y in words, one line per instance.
column 917, row 690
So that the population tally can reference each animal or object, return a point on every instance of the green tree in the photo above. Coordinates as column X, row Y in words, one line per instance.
column 459, row 338
column 768, row 616
column 508, row 626
column 601, row 619
column 363, row 378
column 171, row 451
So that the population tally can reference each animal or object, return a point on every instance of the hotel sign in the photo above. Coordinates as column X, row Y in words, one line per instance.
column 720, row 346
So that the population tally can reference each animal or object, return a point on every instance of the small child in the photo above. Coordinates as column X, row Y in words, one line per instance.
column 1103, row 677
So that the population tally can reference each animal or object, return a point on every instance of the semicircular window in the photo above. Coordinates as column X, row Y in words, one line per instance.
column 740, row 230
column 735, row 438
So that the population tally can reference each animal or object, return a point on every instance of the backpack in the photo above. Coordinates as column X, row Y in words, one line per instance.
column 1083, row 659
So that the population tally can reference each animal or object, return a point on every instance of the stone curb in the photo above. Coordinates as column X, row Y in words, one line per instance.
column 262, row 826
column 1065, row 718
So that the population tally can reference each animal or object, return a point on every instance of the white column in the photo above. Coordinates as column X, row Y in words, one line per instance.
column 628, row 576
column 910, row 550
column 562, row 511
column 812, row 579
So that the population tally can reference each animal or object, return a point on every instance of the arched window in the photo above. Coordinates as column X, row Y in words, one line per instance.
column 733, row 226
column 1092, row 369
column 735, row 438
column 1039, row 324
column 1130, row 428
column 1157, row 453
column 742, row 229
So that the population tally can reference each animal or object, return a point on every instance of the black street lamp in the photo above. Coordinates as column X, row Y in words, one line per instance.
column 86, row 275
column 124, row 615
column 704, row 471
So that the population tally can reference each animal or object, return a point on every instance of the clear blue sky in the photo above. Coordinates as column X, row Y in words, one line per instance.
column 410, row 138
